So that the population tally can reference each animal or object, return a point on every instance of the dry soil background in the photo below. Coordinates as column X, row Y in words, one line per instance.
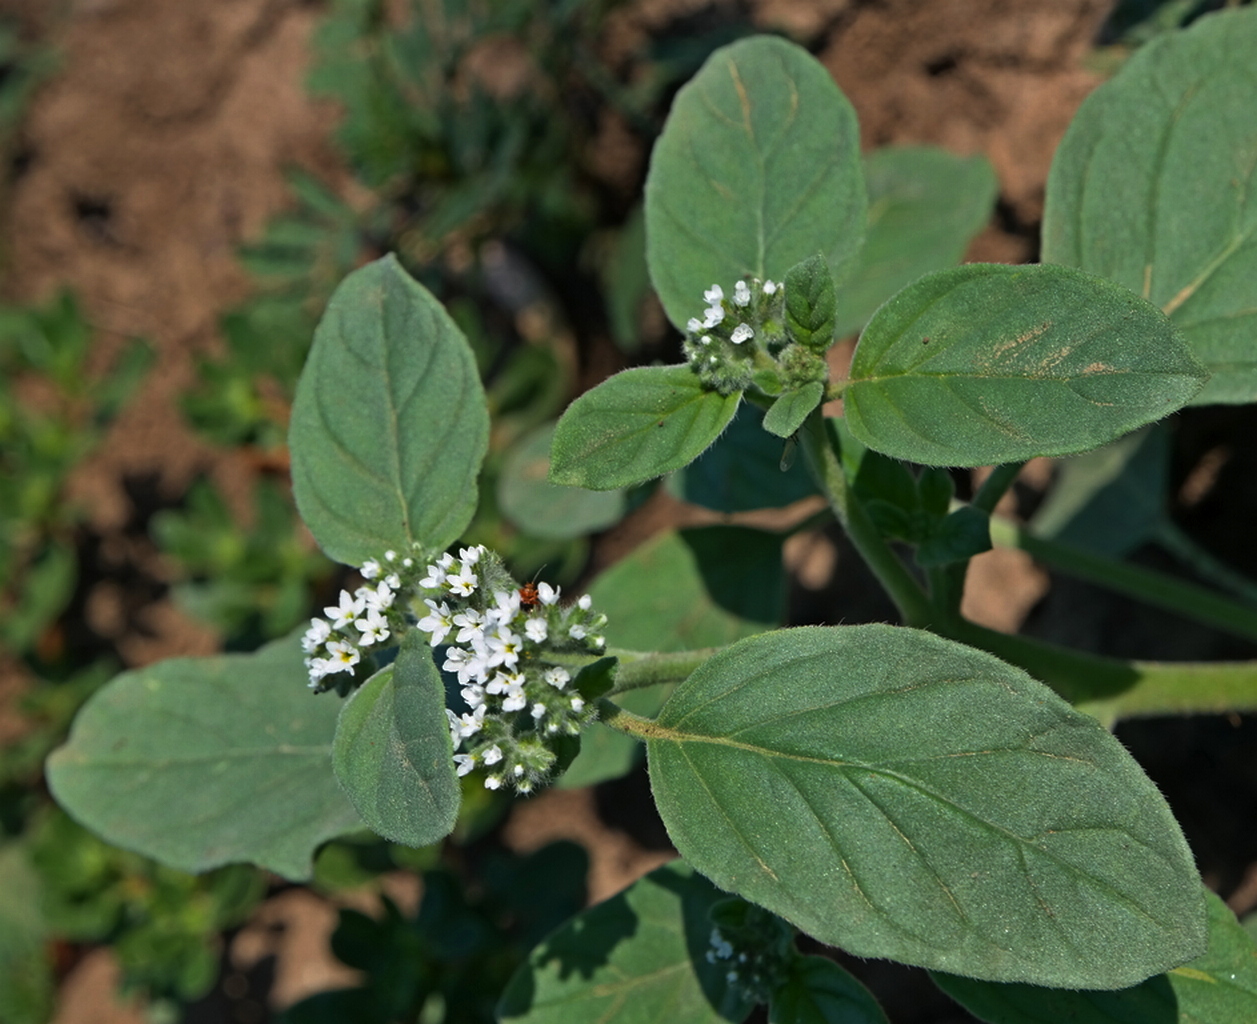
column 161, row 146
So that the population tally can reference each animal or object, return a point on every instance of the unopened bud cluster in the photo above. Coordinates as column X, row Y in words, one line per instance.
column 742, row 341
column 755, row 971
column 505, row 645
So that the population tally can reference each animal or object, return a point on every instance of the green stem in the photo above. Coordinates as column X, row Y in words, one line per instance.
column 995, row 486
column 1204, row 564
column 610, row 713
column 1111, row 688
column 821, row 451
column 1187, row 599
column 638, row 669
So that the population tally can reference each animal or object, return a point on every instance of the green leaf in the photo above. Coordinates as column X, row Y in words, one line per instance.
column 958, row 537
column 1218, row 988
column 1155, row 187
column 790, row 410
column 199, row 762
column 742, row 470
column 551, row 511
column 925, row 205
column 637, row 425
column 902, row 796
column 698, row 588
column 389, row 423
column 758, row 168
column 810, row 299
column 1112, row 500
column 818, row 991
column 639, row 957
column 989, row 363
column 393, row 754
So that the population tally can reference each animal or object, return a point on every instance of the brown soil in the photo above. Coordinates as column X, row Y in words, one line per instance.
column 161, row 146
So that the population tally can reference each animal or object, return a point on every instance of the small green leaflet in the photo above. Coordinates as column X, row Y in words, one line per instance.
column 818, row 991
column 393, row 754
column 758, row 167
column 990, row 363
column 790, row 410
column 389, row 423
column 638, row 958
column 199, row 762
column 1155, row 187
column 1218, row 988
column 903, row 796
column 636, row 426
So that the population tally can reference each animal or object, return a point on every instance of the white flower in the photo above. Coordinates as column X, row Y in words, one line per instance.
column 504, row 647
column 578, row 704
column 585, row 603
column 455, row 738
column 598, row 642
column 370, row 569
column 741, row 294
column 345, row 612
column 694, row 325
column 437, row 571
column 493, row 782
column 538, row 711
column 506, row 607
column 342, row 656
column 713, row 315
column 471, row 556
column 515, row 700
column 319, row 631
column 576, row 632
column 741, row 333
column 465, row 763
column 408, row 562
column 469, row 725
column 473, row 695
column 320, row 667
column 705, row 339
column 463, row 583
column 536, row 630
column 770, row 287
column 518, row 770
column 468, row 664
column 504, row 681
column 438, row 622
column 493, row 755
column 390, row 556
column 374, row 628
column 713, row 295
column 547, row 594
column 470, row 625
column 556, row 676
column 393, row 580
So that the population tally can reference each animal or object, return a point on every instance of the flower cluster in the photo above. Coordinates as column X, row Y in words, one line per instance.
column 745, row 341
column 756, row 969
column 506, row 644
column 365, row 619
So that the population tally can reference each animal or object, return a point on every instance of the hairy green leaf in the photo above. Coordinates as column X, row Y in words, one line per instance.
column 902, row 796
column 551, row 511
column 393, row 754
column 1155, row 187
column 758, row 168
column 637, row 425
column 638, row 958
column 389, row 423
column 790, row 410
column 199, row 762
column 989, row 363
column 818, row 991
column 810, row 301
column 925, row 205
column 1218, row 988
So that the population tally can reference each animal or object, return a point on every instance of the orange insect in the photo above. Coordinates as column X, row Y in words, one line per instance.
column 528, row 595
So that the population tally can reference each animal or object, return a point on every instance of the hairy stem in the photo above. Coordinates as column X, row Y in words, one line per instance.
column 821, row 450
column 1187, row 599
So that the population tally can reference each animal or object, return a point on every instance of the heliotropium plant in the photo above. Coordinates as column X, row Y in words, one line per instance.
column 933, row 792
